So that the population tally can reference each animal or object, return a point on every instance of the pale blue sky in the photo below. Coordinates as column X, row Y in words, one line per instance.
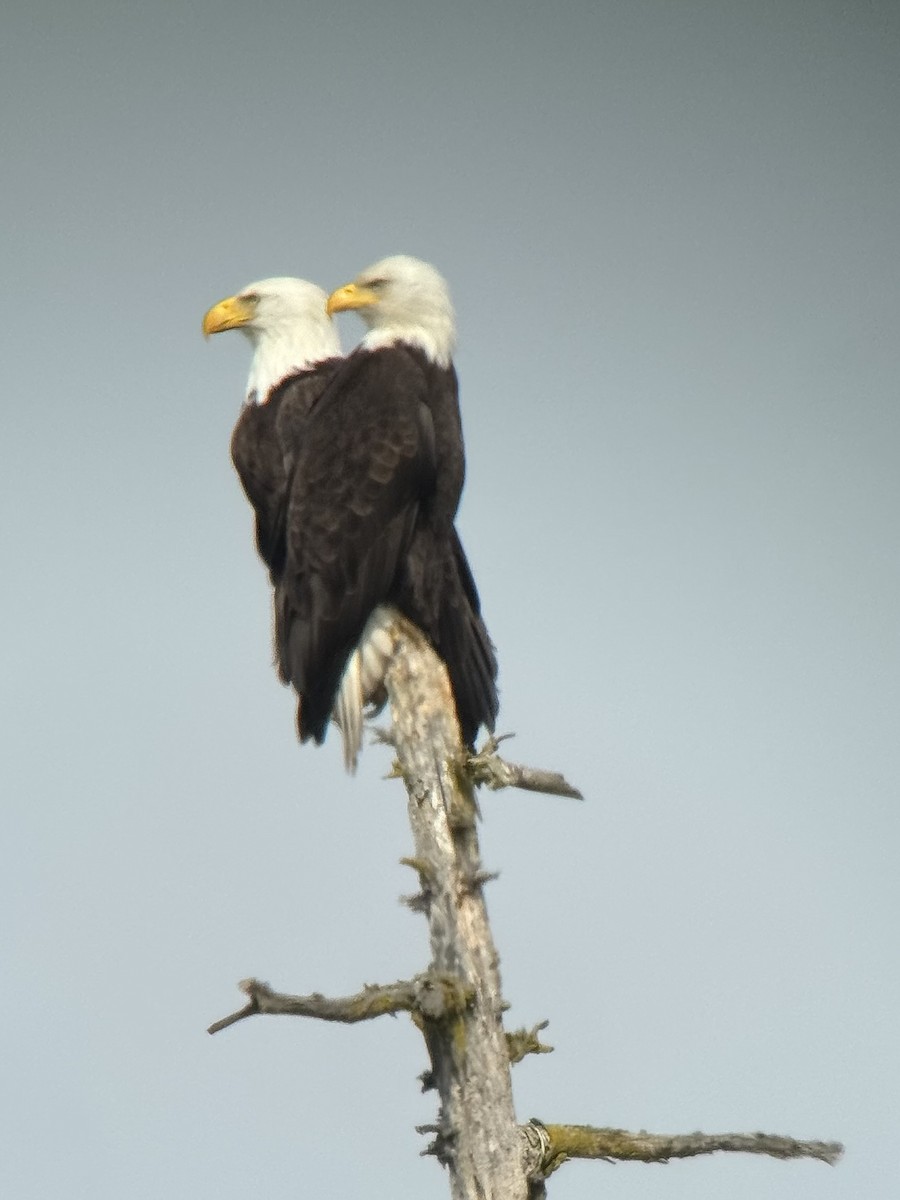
column 671, row 231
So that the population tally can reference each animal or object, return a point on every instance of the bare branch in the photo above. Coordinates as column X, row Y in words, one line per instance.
column 487, row 768
column 522, row 1042
column 562, row 1142
column 429, row 995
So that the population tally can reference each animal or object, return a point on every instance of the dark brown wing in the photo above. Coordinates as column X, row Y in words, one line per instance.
column 259, row 462
column 465, row 645
column 263, row 447
column 438, row 594
column 365, row 468
column 437, row 591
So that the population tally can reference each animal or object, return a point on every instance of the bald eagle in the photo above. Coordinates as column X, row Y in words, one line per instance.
column 296, row 352
column 354, row 468
column 401, row 377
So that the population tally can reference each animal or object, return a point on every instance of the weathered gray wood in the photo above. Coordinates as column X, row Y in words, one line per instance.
column 425, row 995
column 476, row 1133
column 488, row 769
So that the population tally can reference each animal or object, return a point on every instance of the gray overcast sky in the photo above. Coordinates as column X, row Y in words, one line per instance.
column 671, row 231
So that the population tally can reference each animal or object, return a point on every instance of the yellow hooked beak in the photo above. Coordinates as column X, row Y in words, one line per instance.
column 350, row 296
column 229, row 314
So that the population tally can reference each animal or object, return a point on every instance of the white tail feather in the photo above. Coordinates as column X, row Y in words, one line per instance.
column 363, row 681
column 347, row 713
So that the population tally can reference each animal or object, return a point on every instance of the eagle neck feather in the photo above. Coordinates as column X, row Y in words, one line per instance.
column 436, row 345
column 279, row 354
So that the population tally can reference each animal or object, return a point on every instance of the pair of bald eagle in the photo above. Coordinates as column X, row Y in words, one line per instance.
column 354, row 467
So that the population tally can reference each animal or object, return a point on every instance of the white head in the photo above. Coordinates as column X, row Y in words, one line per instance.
column 286, row 321
column 402, row 299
